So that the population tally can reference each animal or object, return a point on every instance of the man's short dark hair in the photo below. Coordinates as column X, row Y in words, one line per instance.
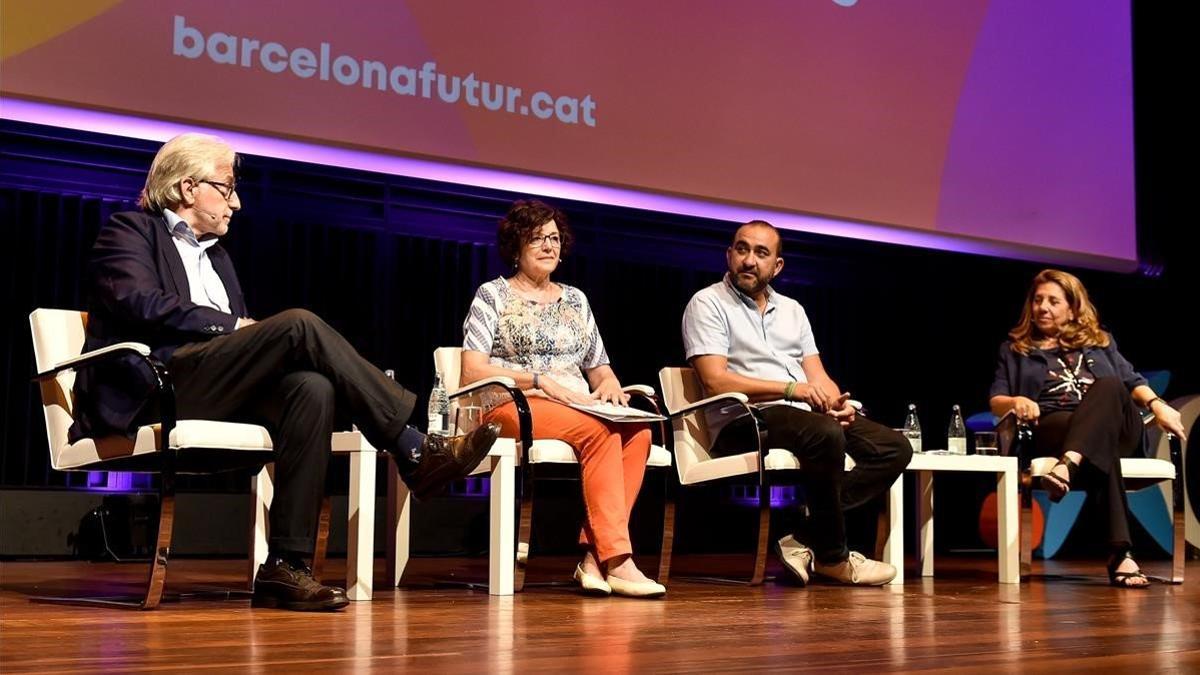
column 763, row 223
column 525, row 219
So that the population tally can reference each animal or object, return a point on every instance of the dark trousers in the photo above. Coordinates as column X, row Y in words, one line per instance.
column 821, row 444
column 290, row 373
column 1104, row 428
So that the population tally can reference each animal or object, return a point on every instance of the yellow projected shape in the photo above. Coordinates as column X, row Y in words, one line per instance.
column 28, row 23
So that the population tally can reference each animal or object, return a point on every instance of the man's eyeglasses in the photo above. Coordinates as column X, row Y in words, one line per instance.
column 553, row 239
column 226, row 189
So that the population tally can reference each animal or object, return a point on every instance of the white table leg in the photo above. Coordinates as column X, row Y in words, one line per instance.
column 503, row 522
column 399, row 507
column 893, row 550
column 1007, row 526
column 360, row 526
column 262, row 491
column 925, row 522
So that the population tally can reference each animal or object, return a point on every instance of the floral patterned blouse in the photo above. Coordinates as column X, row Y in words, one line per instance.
column 556, row 338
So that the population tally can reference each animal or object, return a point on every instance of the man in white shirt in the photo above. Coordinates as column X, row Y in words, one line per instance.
column 740, row 335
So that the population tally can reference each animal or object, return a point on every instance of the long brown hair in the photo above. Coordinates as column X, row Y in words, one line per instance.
column 1081, row 331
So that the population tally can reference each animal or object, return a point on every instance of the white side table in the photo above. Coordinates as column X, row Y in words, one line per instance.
column 499, row 464
column 1007, row 515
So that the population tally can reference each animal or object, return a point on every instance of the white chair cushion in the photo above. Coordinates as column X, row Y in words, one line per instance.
column 212, row 434
column 186, row 434
column 547, row 451
column 739, row 465
column 1131, row 467
column 1144, row 467
column 778, row 459
column 659, row 456
column 1040, row 466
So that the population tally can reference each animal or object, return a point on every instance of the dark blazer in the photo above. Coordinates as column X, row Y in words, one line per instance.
column 1021, row 375
column 138, row 292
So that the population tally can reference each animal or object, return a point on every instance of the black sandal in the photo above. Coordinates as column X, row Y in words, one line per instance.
column 1122, row 579
column 1056, row 486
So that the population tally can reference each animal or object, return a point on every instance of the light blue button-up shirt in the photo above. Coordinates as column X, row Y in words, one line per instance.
column 205, row 285
column 722, row 320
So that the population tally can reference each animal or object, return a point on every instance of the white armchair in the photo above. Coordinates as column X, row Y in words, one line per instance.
column 685, row 401
column 168, row 448
column 536, row 455
column 1139, row 472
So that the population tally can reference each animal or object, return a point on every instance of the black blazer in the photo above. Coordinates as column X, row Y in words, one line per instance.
column 138, row 292
column 1021, row 375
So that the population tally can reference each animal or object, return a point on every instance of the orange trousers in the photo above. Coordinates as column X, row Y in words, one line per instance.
column 612, row 459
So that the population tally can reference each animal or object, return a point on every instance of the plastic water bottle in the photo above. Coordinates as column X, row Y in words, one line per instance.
column 956, row 435
column 912, row 428
column 439, row 408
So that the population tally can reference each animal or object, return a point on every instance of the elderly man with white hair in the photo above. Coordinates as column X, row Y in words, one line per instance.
column 161, row 277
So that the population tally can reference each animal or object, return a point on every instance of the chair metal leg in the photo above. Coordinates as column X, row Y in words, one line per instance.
column 524, row 531
column 762, row 545
column 162, row 547
column 157, row 577
column 322, row 543
column 668, row 536
column 1179, row 552
column 1026, row 534
column 764, row 532
column 1178, row 512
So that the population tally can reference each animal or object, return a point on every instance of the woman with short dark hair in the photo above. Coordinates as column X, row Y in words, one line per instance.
column 542, row 335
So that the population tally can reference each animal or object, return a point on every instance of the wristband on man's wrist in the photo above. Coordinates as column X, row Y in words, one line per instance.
column 789, row 390
column 1150, row 403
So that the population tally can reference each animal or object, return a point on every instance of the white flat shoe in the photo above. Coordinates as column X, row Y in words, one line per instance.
column 636, row 589
column 591, row 584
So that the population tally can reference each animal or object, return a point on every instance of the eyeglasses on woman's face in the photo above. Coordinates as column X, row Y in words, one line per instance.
column 540, row 240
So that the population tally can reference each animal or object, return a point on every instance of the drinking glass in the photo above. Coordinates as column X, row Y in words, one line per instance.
column 468, row 418
column 986, row 443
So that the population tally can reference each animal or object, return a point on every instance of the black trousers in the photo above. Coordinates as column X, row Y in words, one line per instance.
column 1104, row 428
column 290, row 373
column 821, row 444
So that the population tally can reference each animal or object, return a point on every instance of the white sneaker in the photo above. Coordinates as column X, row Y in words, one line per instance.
column 857, row 569
column 796, row 558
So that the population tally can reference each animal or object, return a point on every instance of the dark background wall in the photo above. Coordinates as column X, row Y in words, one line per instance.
column 393, row 262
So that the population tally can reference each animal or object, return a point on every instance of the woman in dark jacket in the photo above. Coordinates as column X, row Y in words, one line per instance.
column 1061, row 372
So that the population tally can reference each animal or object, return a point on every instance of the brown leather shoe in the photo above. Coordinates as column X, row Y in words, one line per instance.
column 445, row 459
column 285, row 586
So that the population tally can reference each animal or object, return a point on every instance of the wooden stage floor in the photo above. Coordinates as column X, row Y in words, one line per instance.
column 962, row 619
